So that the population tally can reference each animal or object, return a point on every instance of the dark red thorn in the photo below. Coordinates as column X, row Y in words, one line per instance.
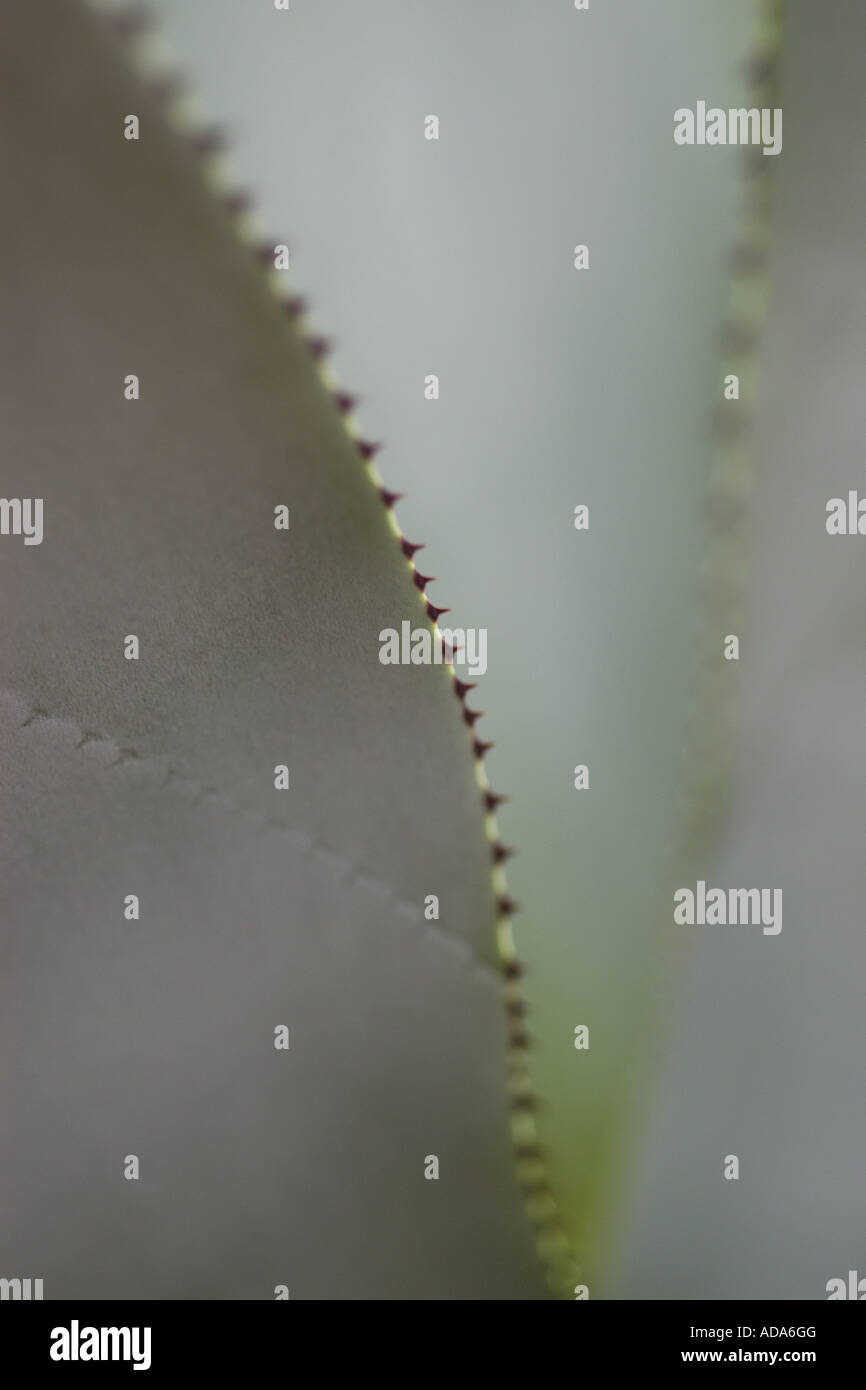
column 319, row 347
column 367, row 449
column 528, row 1103
column 479, row 748
column 132, row 21
column 517, row 1009
column 345, row 403
column 506, row 907
column 520, row 1038
column 409, row 549
column 758, row 69
column 470, row 715
column 265, row 252
column 461, row 687
column 512, row 969
column 389, row 498
column 237, row 203
column 209, row 141
column 422, row 580
column 434, row 613
column 502, row 852
column 296, row 306
column 529, row 1151
column 493, row 799
column 169, row 86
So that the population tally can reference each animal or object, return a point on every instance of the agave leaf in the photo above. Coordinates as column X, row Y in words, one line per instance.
column 769, row 1054
column 155, row 777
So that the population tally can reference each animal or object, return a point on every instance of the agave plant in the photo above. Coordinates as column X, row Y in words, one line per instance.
column 266, row 1020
